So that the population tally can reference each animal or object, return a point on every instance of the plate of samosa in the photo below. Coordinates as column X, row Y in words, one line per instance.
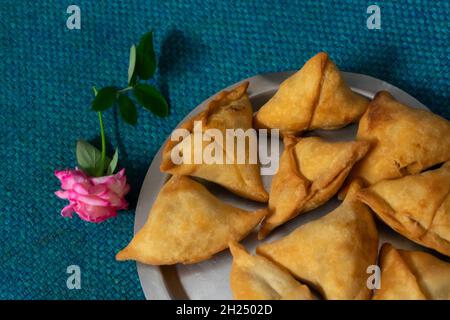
column 363, row 184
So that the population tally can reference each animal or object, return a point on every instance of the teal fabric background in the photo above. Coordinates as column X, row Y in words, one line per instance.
column 47, row 72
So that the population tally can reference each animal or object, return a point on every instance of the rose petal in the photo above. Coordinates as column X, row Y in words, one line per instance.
column 93, row 200
column 71, row 177
column 102, row 180
column 81, row 188
column 62, row 194
column 94, row 213
column 67, row 210
column 98, row 189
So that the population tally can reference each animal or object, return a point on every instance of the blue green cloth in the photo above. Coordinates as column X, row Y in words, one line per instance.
column 47, row 72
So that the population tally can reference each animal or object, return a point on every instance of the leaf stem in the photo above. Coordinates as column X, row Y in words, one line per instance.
column 102, row 133
column 125, row 89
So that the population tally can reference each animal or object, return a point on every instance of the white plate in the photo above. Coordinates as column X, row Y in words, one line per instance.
column 210, row 279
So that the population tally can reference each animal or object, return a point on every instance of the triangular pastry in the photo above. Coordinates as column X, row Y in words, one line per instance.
column 416, row 206
column 405, row 140
column 332, row 253
column 311, row 171
column 187, row 224
column 315, row 97
column 412, row 275
column 228, row 110
column 257, row 278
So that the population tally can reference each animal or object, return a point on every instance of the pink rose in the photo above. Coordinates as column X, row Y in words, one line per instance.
column 93, row 199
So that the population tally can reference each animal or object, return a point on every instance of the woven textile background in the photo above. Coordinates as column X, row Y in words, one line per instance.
column 47, row 72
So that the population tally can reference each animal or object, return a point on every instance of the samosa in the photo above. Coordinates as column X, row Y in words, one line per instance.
column 228, row 110
column 315, row 97
column 188, row 224
column 257, row 278
column 331, row 254
column 311, row 171
column 412, row 275
column 405, row 140
column 416, row 206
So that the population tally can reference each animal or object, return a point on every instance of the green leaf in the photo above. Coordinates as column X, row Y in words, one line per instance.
column 131, row 64
column 151, row 99
column 104, row 99
column 146, row 57
column 105, row 166
column 113, row 163
column 88, row 157
column 127, row 109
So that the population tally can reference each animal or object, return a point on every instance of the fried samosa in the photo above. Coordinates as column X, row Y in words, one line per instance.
column 228, row 110
column 187, row 224
column 311, row 171
column 406, row 140
column 412, row 275
column 331, row 254
column 257, row 278
column 416, row 206
column 316, row 97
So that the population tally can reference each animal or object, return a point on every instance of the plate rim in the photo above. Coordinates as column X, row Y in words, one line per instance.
column 156, row 289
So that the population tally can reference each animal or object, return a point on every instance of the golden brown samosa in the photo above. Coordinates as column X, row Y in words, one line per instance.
column 315, row 97
column 332, row 253
column 187, row 224
column 228, row 110
column 416, row 206
column 311, row 171
column 257, row 278
column 405, row 140
column 412, row 275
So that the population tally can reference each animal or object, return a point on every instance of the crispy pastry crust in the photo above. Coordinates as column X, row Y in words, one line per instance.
column 311, row 171
column 416, row 206
column 187, row 224
column 412, row 275
column 405, row 140
column 228, row 110
column 316, row 97
column 331, row 254
column 397, row 280
column 257, row 278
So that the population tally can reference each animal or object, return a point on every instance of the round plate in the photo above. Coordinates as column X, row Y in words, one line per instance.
column 210, row 279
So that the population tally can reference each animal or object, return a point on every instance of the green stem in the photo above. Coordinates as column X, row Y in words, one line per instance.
column 102, row 133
